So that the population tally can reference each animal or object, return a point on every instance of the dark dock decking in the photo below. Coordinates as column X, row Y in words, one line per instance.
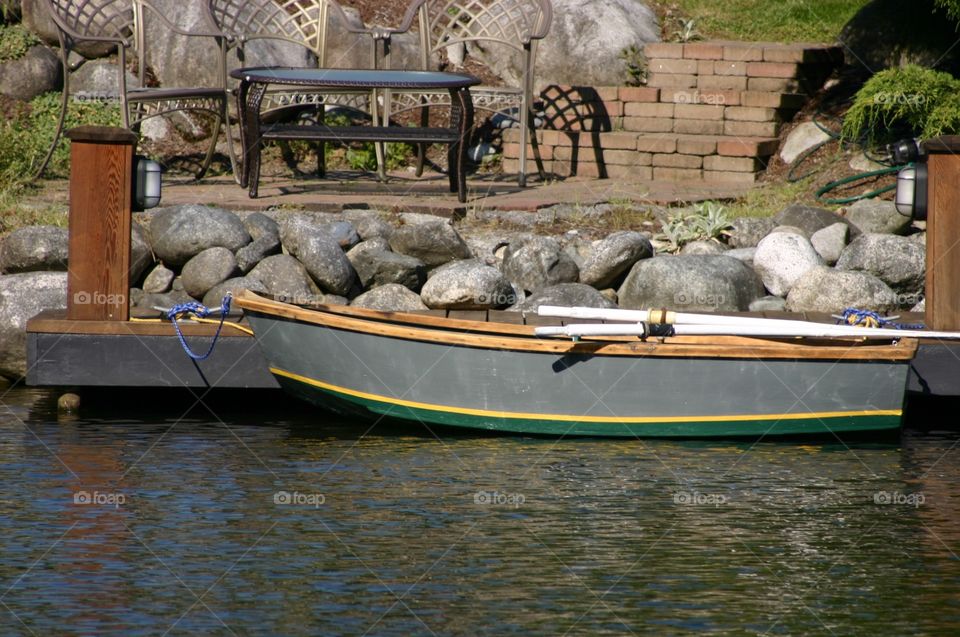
column 148, row 353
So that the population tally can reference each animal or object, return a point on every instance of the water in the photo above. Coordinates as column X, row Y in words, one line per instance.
column 235, row 520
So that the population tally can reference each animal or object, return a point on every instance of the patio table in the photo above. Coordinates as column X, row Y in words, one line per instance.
column 254, row 83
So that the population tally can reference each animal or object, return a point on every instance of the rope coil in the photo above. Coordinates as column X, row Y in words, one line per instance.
column 868, row 318
column 201, row 311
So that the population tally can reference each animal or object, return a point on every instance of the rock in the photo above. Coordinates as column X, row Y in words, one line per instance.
column 342, row 232
column 214, row 297
column 490, row 247
column 782, row 258
column 743, row 254
column 391, row 297
column 537, row 263
column 861, row 163
column 897, row 261
column 824, row 289
column 376, row 244
column 37, row 72
column 253, row 253
column 578, row 249
column 613, row 257
column 166, row 300
column 327, row 264
column 807, row 218
column 260, row 226
column 22, row 296
column 690, row 284
column 286, row 278
column 34, row 248
column 566, row 295
column 178, row 233
column 36, row 17
column 369, row 224
column 747, row 232
column 433, row 242
column 159, row 280
column 467, row 285
column 802, row 138
column 141, row 255
column 830, row 242
column 380, row 267
column 791, row 230
column 920, row 307
column 209, row 268
column 703, row 247
column 769, row 304
column 878, row 216
column 584, row 45
column 96, row 81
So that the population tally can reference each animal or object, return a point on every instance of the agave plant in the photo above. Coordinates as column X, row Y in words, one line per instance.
column 707, row 221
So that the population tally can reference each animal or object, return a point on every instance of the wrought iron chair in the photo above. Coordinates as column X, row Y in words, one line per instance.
column 121, row 22
column 514, row 24
column 306, row 23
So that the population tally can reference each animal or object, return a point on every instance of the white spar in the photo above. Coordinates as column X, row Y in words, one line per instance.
column 798, row 328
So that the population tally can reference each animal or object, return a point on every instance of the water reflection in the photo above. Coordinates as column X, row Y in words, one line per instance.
column 245, row 520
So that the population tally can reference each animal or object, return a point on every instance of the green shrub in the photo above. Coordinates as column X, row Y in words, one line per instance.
column 952, row 7
column 706, row 221
column 911, row 100
column 15, row 41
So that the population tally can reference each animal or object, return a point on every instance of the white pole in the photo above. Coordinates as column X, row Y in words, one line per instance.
column 815, row 330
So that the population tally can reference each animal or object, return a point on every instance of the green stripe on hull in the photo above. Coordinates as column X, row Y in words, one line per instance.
column 351, row 405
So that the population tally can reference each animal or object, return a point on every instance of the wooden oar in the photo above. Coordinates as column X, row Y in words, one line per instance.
column 799, row 328
column 660, row 317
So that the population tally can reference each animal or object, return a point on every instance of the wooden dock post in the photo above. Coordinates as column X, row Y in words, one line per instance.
column 101, row 200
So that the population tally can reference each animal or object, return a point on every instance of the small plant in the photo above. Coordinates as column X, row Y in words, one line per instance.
column 708, row 221
column 685, row 30
column 15, row 41
column 636, row 63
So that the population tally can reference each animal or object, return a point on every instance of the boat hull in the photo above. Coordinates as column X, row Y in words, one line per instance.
column 435, row 377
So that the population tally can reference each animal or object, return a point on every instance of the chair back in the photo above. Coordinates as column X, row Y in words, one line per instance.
column 103, row 20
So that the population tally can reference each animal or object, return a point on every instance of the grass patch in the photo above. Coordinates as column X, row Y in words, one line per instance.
column 766, row 200
column 762, row 20
column 15, row 41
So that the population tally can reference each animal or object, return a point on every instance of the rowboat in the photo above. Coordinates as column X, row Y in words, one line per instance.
column 499, row 374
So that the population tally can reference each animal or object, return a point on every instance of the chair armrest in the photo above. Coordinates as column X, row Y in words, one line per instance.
column 546, row 18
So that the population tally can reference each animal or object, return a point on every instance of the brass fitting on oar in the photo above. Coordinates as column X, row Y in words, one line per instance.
column 663, row 316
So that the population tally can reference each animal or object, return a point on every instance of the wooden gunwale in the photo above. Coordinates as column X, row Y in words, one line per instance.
column 486, row 335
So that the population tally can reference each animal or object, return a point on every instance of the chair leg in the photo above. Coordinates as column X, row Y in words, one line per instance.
column 210, row 151
column 231, row 153
column 64, row 100
column 422, row 148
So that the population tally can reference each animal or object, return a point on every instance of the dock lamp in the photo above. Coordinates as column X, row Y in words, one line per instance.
column 146, row 183
column 911, row 199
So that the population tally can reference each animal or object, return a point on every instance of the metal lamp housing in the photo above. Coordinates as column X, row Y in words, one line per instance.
column 146, row 183
column 911, row 199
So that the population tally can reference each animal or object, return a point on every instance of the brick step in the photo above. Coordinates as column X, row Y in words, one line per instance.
column 798, row 53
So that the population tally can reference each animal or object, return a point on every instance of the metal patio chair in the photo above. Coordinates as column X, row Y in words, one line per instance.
column 122, row 22
column 517, row 25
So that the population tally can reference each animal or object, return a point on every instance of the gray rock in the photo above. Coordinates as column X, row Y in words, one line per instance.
column 897, row 261
column 369, row 224
column 690, row 284
column 748, row 231
column 743, row 254
column 166, row 300
column 141, row 255
column 342, row 232
column 96, row 81
column 209, row 268
column 391, row 297
column 613, row 257
column 260, row 226
column 179, row 233
column 37, row 72
column 577, row 248
column 36, row 17
column 434, row 242
column 286, row 278
column 807, row 218
column 769, row 304
column 566, row 295
column 253, row 253
column 791, row 230
column 489, row 246
column 34, row 248
column 135, row 296
column 376, row 244
column 802, row 138
column 878, row 216
column 537, row 263
column 782, row 258
column 830, row 242
column 703, row 247
column 824, row 289
column 159, row 280
column 326, row 263
column 234, row 286
column 296, row 229
column 22, row 296
column 380, row 267
column 467, row 285
column 920, row 307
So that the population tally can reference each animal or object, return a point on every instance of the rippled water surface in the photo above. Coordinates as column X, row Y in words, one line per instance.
column 260, row 520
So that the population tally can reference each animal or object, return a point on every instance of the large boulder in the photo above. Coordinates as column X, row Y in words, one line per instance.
column 691, row 284
column 233, row 286
column 434, row 242
column 260, row 226
column 37, row 72
column 34, row 248
column 381, row 267
column 369, row 224
column 37, row 18
column 467, row 285
column 178, row 233
column 782, row 258
column 96, row 81
column 22, row 296
column 808, row 218
column 256, row 251
column 286, row 278
column 746, row 232
column 159, row 280
column 327, row 264
column 209, row 268
column 584, row 44
column 830, row 242
column 824, row 289
column 391, row 297
column 538, row 262
column 141, row 254
column 565, row 295
column 878, row 216
column 613, row 257
column 897, row 261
